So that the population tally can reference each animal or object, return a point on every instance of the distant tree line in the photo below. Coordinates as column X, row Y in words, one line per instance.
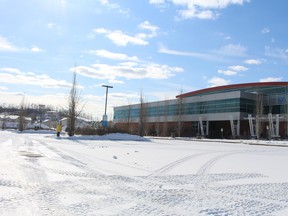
column 31, row 110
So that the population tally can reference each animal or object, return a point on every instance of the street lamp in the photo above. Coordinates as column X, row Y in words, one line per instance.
column 104, row 122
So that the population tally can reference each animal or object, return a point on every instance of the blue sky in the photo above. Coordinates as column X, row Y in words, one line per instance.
column 159, row 47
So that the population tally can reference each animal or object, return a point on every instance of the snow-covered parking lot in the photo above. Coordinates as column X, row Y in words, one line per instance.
column 129, row 175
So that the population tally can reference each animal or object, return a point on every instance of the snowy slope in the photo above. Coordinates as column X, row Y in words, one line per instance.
column 129, row 175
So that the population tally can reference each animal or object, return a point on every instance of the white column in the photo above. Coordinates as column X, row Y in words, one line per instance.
column 238, row 127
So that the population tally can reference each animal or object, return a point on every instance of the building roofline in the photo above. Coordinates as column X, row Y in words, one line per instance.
column 242, row 85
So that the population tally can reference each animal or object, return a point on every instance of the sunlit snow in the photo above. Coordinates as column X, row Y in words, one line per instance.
column 120, row 174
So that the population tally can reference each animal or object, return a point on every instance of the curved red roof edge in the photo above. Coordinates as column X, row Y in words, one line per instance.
column 242, row 85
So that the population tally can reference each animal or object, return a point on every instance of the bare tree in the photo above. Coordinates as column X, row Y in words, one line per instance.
column 179, row 114
column 259, row 113
column 22, row 116
column 158, row 116
column 73, row 107
column 142, row 116
column 128, row 118
column 165, row 120
column 4, row 121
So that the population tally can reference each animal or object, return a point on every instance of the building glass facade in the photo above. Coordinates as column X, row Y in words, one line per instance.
column 230, row 105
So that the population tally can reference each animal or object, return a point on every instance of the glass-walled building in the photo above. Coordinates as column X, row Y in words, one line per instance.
column 240, row 110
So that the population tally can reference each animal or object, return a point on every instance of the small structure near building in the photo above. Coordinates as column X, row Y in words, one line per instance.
column 12, row 122
column 79, row 123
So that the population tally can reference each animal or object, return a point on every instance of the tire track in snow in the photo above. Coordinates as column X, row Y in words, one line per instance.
column 33, row 193
column 123, row 189
column 64, row 156
column 82, row 165
column 156, row 200
column 172, row 165
column 124, row 195
column 204, row 169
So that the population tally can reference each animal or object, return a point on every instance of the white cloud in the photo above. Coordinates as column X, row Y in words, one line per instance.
column 164, row 50
column 253, row 61
column 277, row 53
column 101, row 31
column 108, row 4
column 232, row 50
column 227, row 72
column 6, row 46
column 104, row 2
column 147, row 26
column 55, row 27
column 233, row 70
column 224, row 35
column 57, row 100
column 194, row 13
column 15, row 76
column 52, row 26
column 217, row 81
column 220, row 55
column 121, row 39
column 128, row 71
column 114, row 56
column 131, row 64
column 114, row 6
column 123, row 96
column 2, row 88
column 265, row 30
column 200, row 9
column 238, row 68
column 10, row 70
column 271, row 79
column 156, row 1
column 215, row 4
column 12, row 98
column 37, row 49
column 116, row 82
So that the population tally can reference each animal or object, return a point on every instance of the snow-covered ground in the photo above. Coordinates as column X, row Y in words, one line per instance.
column 128, row 175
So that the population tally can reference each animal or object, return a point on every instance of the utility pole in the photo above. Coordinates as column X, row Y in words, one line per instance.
column 104, row 122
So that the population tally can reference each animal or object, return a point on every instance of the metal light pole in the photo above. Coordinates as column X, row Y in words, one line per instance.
column 104, row 122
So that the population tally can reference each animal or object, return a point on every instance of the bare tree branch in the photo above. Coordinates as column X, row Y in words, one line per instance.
column 74, row 109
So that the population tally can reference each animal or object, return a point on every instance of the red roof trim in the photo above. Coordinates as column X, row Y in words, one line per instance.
column 243, row 85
